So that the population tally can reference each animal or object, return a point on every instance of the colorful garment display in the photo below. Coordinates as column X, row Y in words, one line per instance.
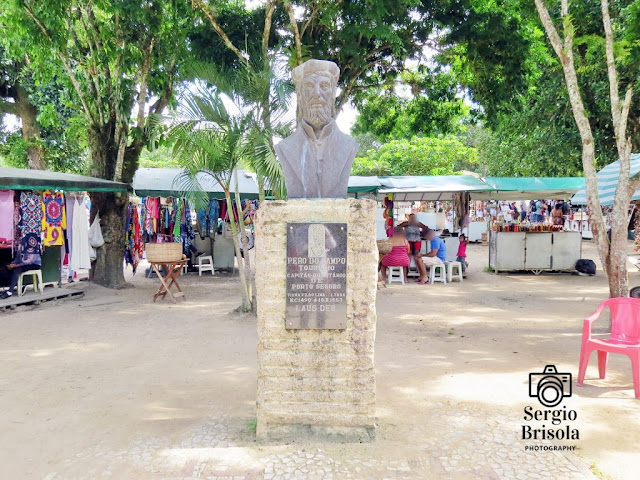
column 152, row 205
column 178, row 220
column 134, row 247
column 30, row 214
column 207, row 218
column 54, row 218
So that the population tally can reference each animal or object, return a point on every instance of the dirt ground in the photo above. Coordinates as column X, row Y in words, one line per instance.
column 115, row 386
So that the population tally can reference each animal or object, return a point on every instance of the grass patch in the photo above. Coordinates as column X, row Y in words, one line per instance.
column 252, row 425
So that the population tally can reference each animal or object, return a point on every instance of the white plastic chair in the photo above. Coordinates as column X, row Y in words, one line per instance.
column 441, row 275
column 451, row 266
column 205, row 264
column 395, row 274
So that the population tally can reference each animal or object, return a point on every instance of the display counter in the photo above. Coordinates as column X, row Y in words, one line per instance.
column 475, row 230
column 534, row 251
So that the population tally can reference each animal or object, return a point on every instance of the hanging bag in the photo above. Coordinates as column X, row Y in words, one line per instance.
column 95, row 233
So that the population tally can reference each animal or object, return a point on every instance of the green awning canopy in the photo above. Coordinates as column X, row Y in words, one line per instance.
column 430, row 188
column 530, row 188
column 363, row 184
column 24, row 179
column 168, row 182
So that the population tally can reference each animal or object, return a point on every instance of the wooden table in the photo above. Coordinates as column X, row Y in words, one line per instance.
column 171, row 279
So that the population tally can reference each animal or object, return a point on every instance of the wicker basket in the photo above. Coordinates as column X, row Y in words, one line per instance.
column 384, row 246
column 164, row 252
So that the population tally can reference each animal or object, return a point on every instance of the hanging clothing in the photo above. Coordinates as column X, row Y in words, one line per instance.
column 134, row 248
column 6, row 215
column 80, row 248
column 207, row 218
column 176, row 225
column 151, row 219
column 187, row 235
column 54, row 219
column 30, row 215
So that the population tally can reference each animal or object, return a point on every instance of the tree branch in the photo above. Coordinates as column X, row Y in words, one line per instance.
column 93, row 72
column 266, row 32
column 65, row 62
column 216, row 26
column 294, row 29
column 144, row 72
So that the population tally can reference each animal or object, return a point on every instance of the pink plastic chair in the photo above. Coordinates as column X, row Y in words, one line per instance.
column 624, row 339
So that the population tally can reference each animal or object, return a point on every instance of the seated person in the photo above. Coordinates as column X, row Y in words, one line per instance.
column 28, row 258
column 436, row 256
column 413, row 230
column 399, row 254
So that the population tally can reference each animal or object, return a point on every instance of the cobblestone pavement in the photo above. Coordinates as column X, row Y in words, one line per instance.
column 469, row 444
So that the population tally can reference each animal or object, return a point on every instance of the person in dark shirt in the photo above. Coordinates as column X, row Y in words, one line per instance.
column 26, row 259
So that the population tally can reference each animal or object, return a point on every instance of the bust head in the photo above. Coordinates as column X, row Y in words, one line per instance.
column 315, row 82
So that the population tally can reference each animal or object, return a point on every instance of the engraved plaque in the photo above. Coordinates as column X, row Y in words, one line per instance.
column 316, row 275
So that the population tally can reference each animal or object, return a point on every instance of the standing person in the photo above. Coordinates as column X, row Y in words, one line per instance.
column 28, row 258
column 412, row 229
column 461, row 256
column 536, row 211
column 557, row 215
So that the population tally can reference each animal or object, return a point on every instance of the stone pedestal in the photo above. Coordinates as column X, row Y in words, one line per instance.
column 316, row 384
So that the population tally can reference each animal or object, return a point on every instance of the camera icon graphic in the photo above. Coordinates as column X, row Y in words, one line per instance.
column 549, row 386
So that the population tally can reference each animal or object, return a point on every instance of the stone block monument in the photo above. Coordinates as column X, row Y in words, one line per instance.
column 316, row 279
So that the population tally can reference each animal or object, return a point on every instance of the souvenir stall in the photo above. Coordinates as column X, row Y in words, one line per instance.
column 159, row 214
column 45, row 213
column 430, row 193
column 516, row 245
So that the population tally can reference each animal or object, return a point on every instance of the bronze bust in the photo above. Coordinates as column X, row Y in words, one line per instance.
column 317, row 157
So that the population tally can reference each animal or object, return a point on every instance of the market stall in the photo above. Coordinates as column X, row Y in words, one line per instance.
column 433, row 193
column 517, row 245
column 165, row 216
column 534, row 250
column 45, row 214
column 607, row 180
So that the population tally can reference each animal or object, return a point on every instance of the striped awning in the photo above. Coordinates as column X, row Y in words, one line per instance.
column 608, row 181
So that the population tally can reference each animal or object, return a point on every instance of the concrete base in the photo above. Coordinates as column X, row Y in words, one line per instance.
column 316, row 384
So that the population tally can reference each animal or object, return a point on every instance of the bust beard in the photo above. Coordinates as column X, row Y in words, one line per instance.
column 318, row 116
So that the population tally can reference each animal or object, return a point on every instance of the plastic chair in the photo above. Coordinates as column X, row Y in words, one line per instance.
column 440, row 277
column 36, row 276
column 451, row 266
column 395, row 274
column 624, row 338
column 413, row 269
column 205, row 264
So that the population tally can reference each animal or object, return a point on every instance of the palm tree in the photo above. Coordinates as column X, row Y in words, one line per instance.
column 265, row 98
column 222, row 125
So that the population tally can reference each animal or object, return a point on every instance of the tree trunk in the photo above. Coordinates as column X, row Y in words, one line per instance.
column 246, row 299
column 249, row 275
column 108, row 270
column 28, row 114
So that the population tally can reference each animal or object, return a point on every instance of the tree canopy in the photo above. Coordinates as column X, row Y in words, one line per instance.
column 418, row 156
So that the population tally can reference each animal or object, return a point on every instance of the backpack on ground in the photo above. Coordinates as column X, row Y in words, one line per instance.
column 586, row 267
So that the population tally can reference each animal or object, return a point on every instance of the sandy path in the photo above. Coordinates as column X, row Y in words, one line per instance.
column 114, row 386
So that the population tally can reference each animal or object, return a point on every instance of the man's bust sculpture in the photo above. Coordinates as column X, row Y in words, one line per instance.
column 317, row 157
